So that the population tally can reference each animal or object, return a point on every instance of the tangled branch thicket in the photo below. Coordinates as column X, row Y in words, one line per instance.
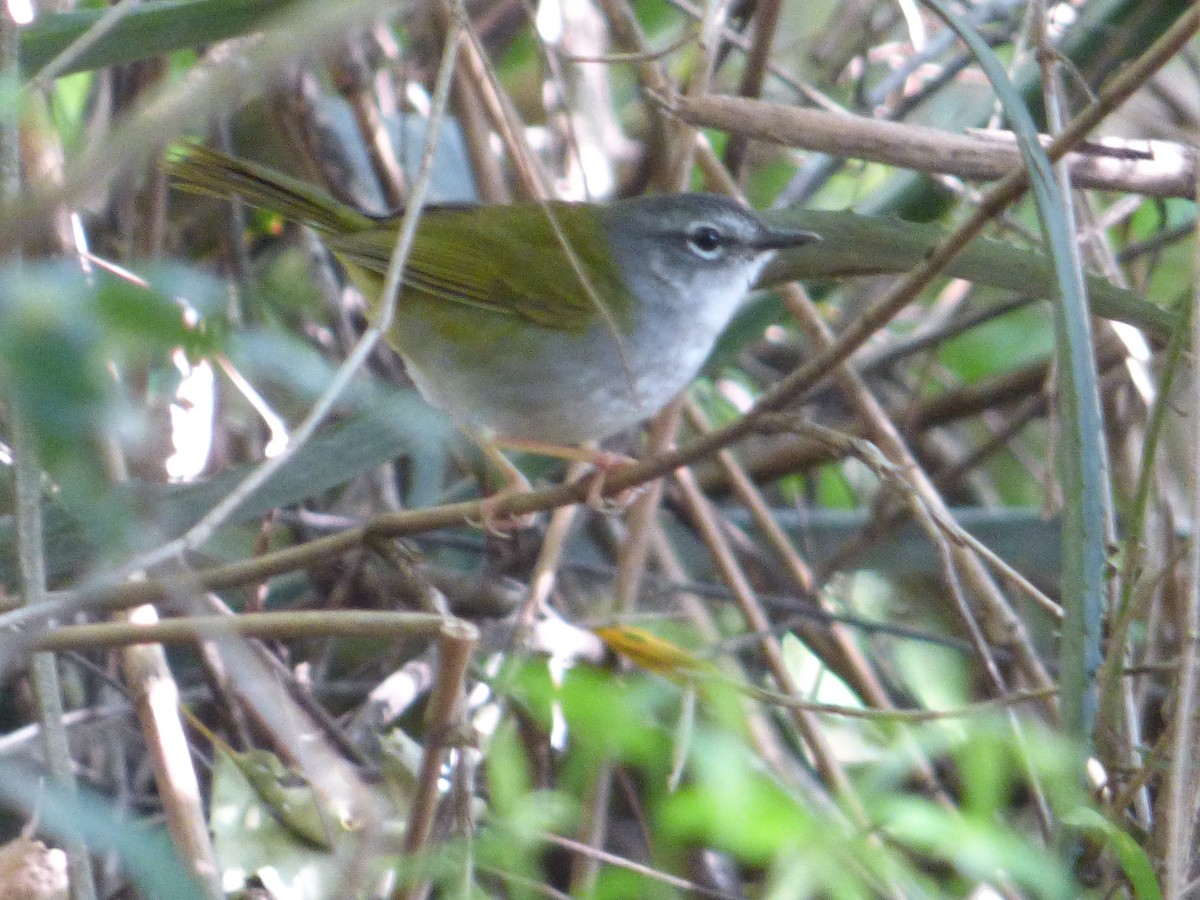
column 871, row 614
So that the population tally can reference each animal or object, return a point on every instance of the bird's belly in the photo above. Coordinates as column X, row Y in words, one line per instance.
column 531, row 383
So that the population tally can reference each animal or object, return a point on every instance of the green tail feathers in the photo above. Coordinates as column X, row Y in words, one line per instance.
column 204, row 171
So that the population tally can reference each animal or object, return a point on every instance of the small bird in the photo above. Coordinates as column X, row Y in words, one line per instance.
column 537, row 326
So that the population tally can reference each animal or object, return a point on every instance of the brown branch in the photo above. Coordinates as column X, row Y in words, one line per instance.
column 443, row 719
column 1153, row 168
column 766, row 21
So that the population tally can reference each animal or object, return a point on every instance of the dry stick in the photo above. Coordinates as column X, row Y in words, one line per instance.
column 757, row 621
column 353, row 79
column 765, row 22
column 544, row 574
column 467, row 94
column 642, row 521
column 632, row 555
column 476, row 71
column 764, row 736
column 682, row 149
column 155, row 697
column 833, row 643
column 688, row 37
column 1153, row 168
column 485, row 164
column 739, row 40
column 443, row 722
column 276, row 626
column 834, row 640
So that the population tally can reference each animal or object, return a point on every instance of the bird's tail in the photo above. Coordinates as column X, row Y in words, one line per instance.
column 204, row 171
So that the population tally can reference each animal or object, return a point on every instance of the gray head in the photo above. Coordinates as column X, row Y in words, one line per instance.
column 689, row 247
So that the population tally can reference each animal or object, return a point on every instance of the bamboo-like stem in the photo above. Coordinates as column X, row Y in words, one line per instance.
column 278, row 626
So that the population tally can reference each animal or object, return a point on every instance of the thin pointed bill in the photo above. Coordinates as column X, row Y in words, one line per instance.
column 783, row 238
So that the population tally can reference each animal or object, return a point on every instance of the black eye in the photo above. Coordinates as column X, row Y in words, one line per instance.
column 705, row 240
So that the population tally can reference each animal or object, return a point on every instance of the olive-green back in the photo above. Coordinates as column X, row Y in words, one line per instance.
column 508, row 260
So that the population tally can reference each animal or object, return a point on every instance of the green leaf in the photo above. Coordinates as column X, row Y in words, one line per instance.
column 729, row 802
column 855, row 245
column 983, row 850
column 1082, row 458
column 146, row 30
column 1133, row 859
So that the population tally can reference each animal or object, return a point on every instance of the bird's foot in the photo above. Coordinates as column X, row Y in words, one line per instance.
column 604, row 464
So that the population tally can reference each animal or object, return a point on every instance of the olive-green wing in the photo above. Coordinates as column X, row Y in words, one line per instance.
column 503, row 259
